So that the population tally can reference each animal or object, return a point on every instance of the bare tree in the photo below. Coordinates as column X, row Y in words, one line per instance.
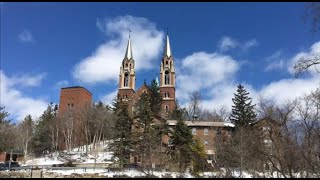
column 25, row 132
column 194, row 109
column 312, row 15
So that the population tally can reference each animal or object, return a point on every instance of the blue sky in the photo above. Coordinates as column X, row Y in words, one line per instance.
column 46, row 46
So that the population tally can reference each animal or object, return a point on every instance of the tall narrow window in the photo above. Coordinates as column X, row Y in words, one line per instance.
column 194, row 131
column 206, row 131
column 166, row 109
column 126, row 80
column 166, row 94
column 166, row 78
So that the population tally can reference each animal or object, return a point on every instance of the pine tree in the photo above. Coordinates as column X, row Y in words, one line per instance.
column 42, row 140
column 6, row 131
column 122, row 142
column 146, row 138
column 198, row 157
column 155, row 97
column 242, row 111
column 181, row 140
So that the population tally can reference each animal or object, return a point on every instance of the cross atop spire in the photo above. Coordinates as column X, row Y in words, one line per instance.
column 167, row 49
column 128, row 54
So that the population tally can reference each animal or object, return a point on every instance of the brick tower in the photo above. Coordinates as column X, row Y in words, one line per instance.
column 127, row 75
column 167, row 80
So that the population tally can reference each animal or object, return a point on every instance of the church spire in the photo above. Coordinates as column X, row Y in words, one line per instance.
column 128, row 54
column 167, row 49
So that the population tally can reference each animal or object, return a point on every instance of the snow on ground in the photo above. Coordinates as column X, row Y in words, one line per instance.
column 43, row 161
column 105, row 172
column 78, row 155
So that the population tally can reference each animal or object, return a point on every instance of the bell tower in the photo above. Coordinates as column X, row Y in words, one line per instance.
column 127, row 75
column 167, row 80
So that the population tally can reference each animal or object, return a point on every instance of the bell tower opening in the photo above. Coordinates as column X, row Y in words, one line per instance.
column 126, row 79
column 166, row 78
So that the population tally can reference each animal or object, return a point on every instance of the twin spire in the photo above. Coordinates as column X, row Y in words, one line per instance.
column 167, row 50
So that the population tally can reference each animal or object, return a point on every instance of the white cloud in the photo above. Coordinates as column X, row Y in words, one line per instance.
column 249, row 44
column 314, row 50
column 227, row 43
column 276, row 62
column 104, row 63
column 61, row 84
column 289, row 89
column 26, row 36
column 203, row 70
column 27, row 80
column 16, row 103
column 107, row 99
column 215, row 76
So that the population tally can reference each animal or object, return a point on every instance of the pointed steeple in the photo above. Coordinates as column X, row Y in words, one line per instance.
column 128, row 54
column 167, row 49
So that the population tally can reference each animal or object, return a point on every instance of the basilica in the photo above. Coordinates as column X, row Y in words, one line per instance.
column 127, row 77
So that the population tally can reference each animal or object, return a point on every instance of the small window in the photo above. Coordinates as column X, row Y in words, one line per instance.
column 126, row 64
column 71, row 104
column 68, row 105
column 194, row 131
column 218, row 131
column 266, row 128
column 166, row 94
column 166, row 62
column 206, row 131
column 166, row 109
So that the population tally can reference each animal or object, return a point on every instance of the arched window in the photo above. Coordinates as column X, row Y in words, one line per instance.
column 126, row 80
column 166, row 94
column 126, row 64
column 166, row 109
column 167, row 78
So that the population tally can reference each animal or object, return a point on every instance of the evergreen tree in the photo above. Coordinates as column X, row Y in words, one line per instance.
column 3, row 116
column 198, row 157
column 242, row 111
column 181, row 140
column 155, row 97
column 42, row 140
column 146, row 135
column 6, row 131
column 122, row 142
